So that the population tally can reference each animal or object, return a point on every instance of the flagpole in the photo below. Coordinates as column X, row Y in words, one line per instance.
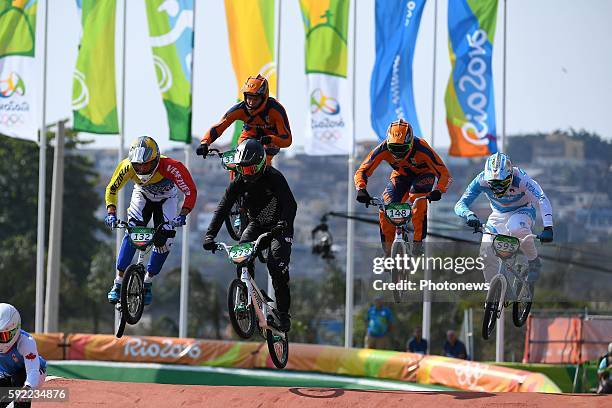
column 426, row 322
column 350, row 223
column 184, row 298
column 500, row 334
column 42, row 176
column 121, row 212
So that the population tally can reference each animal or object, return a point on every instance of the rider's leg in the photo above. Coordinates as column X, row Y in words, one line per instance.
column 519, row 225
column 164, row 210
column 395, row 191
column 421, row 186
column 278, row 266
column 496, row 224
column 250, row 234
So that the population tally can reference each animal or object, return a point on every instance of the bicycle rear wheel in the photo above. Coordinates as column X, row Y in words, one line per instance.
column 398, row 274
column 242, row 315
column 491, row 307
column 522, row 306
column 278, row 348
column 132, row 294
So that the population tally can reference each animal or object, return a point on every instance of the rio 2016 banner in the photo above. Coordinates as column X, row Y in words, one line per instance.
column 251, row 31
column 94, row 97
column 391, row 86
column 470, row 107
column 171, row 36
column 18, row 70
column 330, row 115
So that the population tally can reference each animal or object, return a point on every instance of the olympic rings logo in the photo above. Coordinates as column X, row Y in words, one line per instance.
column 321, row 102
column 11, row 86
column 11, row 119
column 328, row 135
column 468, row 374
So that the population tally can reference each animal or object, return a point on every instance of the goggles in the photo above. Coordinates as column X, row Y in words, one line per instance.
column 250, row 170
column 500, row 186
column 399, row 149
column 144, row 168
column 7, row 336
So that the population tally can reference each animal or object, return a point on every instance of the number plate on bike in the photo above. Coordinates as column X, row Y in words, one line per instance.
column 239, row 253
column 398, row 212
column 228, row 159
column 506, row 246
column 141, row 236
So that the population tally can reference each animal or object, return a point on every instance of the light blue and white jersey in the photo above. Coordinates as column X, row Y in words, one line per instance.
column 23, row 356
column 523, row 195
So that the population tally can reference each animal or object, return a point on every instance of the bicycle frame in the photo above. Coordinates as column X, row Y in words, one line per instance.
column 254, row 295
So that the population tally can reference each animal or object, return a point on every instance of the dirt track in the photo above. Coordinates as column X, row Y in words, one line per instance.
column 83, row 393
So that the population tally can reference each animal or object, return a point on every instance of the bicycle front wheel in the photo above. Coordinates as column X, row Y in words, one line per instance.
column 492, row 309
column 242, row 315
column 278, row 348
column 132, row 294
column 398, row 274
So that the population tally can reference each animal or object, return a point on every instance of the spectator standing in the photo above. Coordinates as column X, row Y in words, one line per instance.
column 379, row 320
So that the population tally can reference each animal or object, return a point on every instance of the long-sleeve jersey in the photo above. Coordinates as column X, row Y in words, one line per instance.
column 422, row 159
column 170, row 175
column 523, row 193
column 267, row 201
column 271, row 121
column 23, row 356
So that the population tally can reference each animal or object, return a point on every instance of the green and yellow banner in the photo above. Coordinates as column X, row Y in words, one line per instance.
column 17, row 27
column 94, row 98
column 171, row 36
column 251, row 30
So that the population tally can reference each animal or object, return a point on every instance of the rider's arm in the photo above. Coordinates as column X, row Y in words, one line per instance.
column 279, row 116
column 123, row 173
column 536, row 195
column 473, row 190
column 235, row 113
column 369, row 164
column 27, row 348
column 232, row 192
column 285, row 197
column 180, row 176
column 435, row 163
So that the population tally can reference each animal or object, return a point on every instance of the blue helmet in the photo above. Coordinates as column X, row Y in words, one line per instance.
column 498, row 173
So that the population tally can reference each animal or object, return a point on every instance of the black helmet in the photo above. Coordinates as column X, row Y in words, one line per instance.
column 250, row 159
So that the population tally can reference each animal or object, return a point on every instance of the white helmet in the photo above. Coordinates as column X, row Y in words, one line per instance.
column 10, row 326
column 498, row 173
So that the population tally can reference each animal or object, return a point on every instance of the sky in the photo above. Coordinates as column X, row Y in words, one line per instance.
column 558, row 75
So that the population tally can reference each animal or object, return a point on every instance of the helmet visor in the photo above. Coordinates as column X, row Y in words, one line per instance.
column 250, row 170
column 144, row 168
column 7, row 335
column 399, row 149
column 500, row 186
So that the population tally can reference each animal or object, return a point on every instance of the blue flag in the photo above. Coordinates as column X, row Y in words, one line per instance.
column 391, row 93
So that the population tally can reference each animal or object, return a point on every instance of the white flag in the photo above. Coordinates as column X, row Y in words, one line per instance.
column 330, row 116
column 18, row 97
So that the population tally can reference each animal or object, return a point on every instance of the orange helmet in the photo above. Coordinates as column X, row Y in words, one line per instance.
column 256, row 86
column 400, row 138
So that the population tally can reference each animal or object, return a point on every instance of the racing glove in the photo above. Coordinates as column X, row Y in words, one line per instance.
column 179, row 221
column 266, row 140
column 279, row 228
column 435, row 195
column 210, row 244
column 472, row 221
column 547, row 235
column 110, row 220
column 202, row 150
column 363, row 196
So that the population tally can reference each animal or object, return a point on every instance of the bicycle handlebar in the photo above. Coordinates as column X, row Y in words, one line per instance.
column 487, row 232
column 120, row 224
column 379, row 202
column 224, row 246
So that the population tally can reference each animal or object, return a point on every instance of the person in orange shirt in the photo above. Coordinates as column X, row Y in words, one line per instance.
column 264, row 119
column 416, row 167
